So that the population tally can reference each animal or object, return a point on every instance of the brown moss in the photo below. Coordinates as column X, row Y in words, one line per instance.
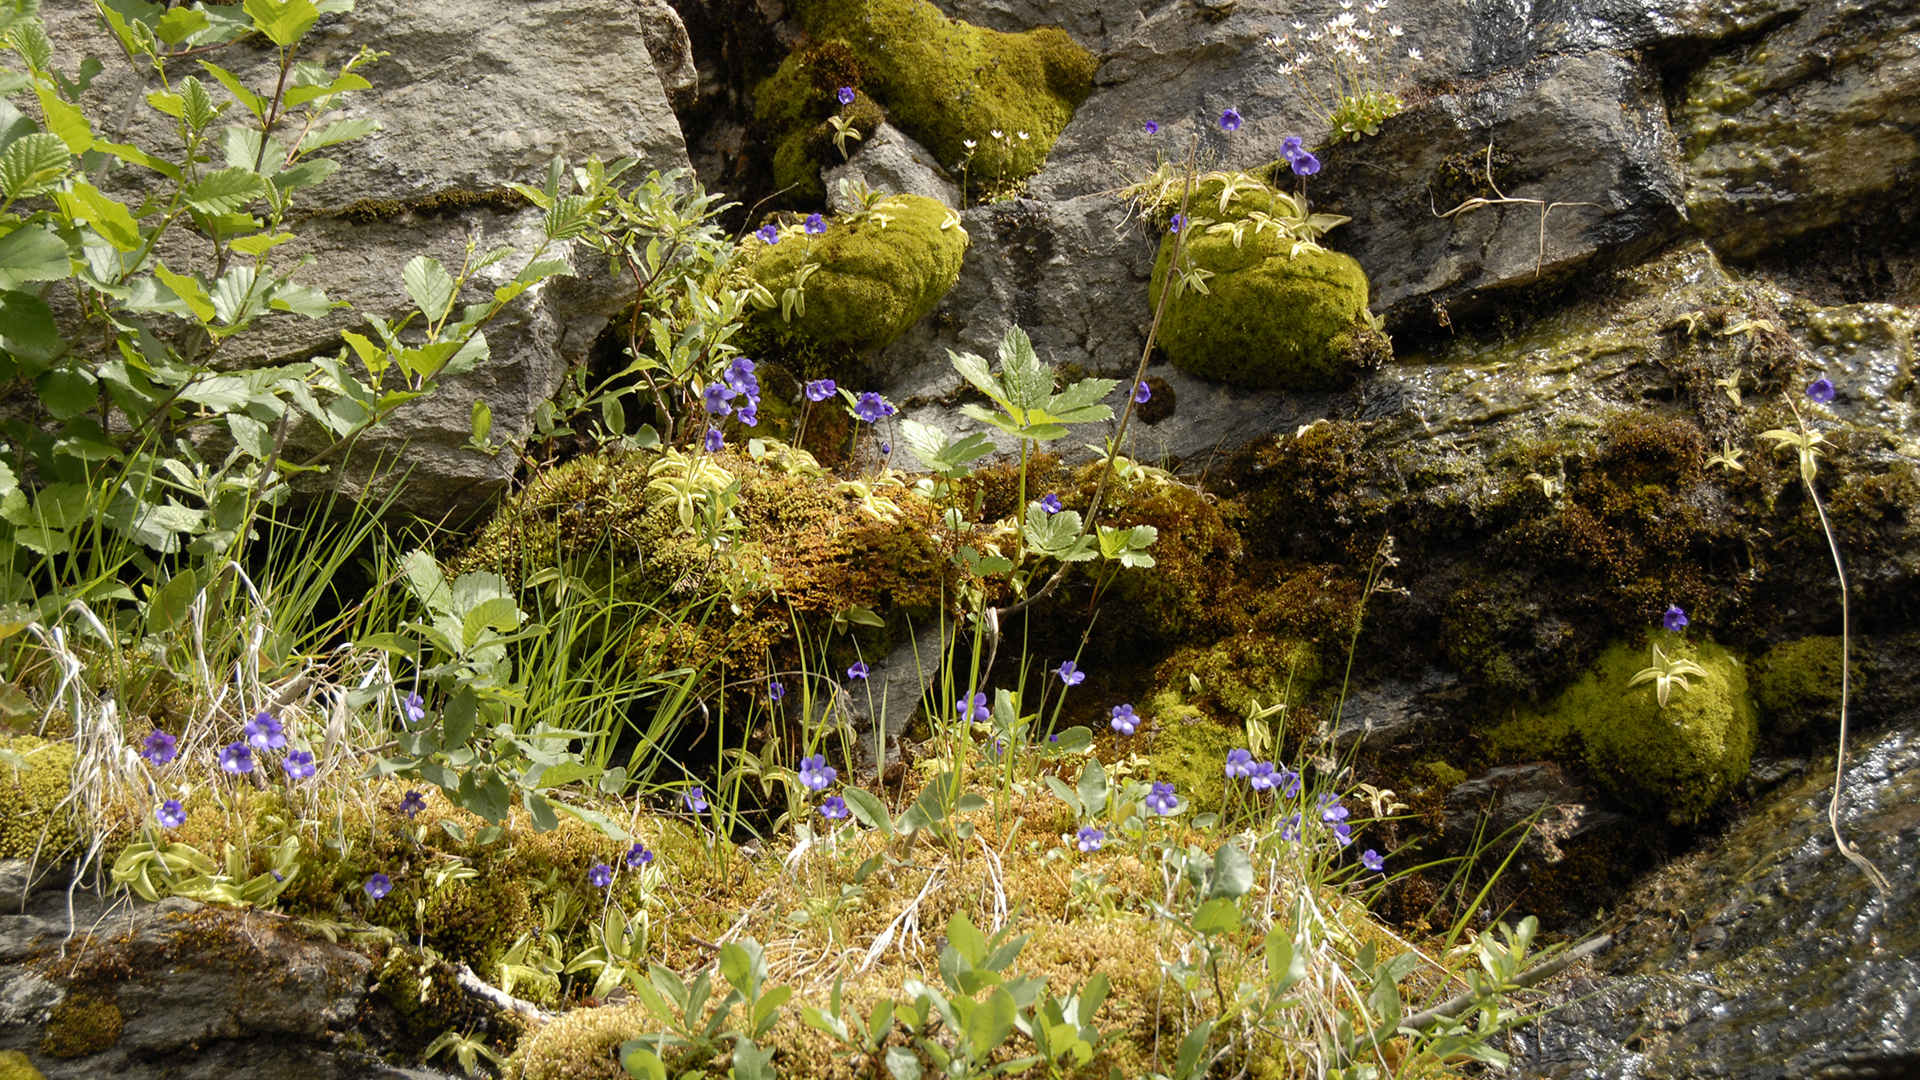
column 447, row 201
column 81, row 1025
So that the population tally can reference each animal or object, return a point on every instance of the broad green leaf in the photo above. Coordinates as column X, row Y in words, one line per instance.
column 640, row 1062
column 28, row 331
column 337, row 132
column 868, row 809
column 251, row 435
column 33, row 165
column 65, row 121
column 482, row 421
column 140, row 157
column 1232, row 873
column 303, row 300
column 66, row 392
column 14, row 124
column 249, row 100
column 180, row 24
column 1092, row 789
column 109, row 218
column 282, row 21
column 260, row 243
column 226, row 191
column 171, row 602
column 458, row 718
column 966, row 939
column 235, row 300
column 902, row 1064
column 300, row 95
column 992, row 1021
column 430, row 286
column 305, row 174
column 426, row 582
column 498, row 614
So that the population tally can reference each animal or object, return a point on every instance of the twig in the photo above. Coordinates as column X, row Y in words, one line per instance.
column 1477, row 202
column 1460, row 1003
column 476, row 987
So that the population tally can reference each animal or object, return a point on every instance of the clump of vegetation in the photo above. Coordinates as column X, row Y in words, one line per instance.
column 1798, row 683
column 36, row 785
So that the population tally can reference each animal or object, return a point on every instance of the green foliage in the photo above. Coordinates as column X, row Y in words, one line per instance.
column 873, row 279
column 36, row 779
column 1798, row 683
column 1023, row 389
column 694, row 1028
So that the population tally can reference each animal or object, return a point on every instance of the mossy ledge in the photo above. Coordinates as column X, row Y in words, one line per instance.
column 451, row 200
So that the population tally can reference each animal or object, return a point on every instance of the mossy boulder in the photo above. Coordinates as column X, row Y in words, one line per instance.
column 581, row 1044
column 33, row 825
column 15, row 1066
column 1679, row 760
column 1270, row 318
column 875, row 279
column 1799, row 683
column 944, row 81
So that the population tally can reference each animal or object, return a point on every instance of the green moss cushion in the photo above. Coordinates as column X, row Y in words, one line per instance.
column 1270, row 319
column 947, row 81
column 1679, row 760
column 873, row 282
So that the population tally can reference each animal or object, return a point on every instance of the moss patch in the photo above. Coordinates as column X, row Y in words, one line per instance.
column 15, row 1066
column 81, row 1025
column 1798, row 683
column 30, row 825
column 580, row 1045
column 874, row 281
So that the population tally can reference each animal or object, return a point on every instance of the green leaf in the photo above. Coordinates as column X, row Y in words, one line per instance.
column 302, row 300
column 172, row 602
column 544, row 819
column 1058, row 534
column 750, row 1062
column 226, row 191
column 1092, row 788
column 938, row 452
column 1232, row 873
column 430, row 286
column 966, row 939
column 282, row 21
column 28, row 331
column 902, row 1064
column 337, row 132
column 32, row 253
column 140, row 157
column 251, row 101
column 458, row 718
column 65, row 121
column 990, row 1024
column 260, row 243
column 108, row 217
column 640, row 1062
column 180, row 24
column 868, row 809
column 251, row 435
column 482, row 421
column 33, row 165
column 66, row 392
column 14, row 124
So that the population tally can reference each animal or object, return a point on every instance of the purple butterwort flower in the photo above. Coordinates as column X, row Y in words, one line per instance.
column 1260, row 775
column 885, row 449
column 264, row 732
column 846, row 95
column 716, row 397
column 1050, row 503
column 1070, row 673
column 816, row 225
column 1290, row 829
column 872, row 407
column 1343, row 832
column 413, row 707
column 1179, row 222
column 833, row 808
column 159, row 748
column 1820, row 390
column 1153, row 128
column 820, row 390
column 713, row 440
column 1371, row 860
column 1053, row 738
column 1124, row 720
column 776, row 691
column 769, row 233
column 638, row 856
column 749, row 414
column 1675, row 618
column 378, row 885
column 298, row 764
column 1331, row 811
column 694, row 799
column 237, row 758
column 1161, row 800
column 1288, row 781
column 740, row 376
column 1230, row 120
column 412, row 803
column 977, row 708
column 1290, row 147
column 1239, row 764
column 859, row 670
column 171, row 814
column 1091, row 838
column 1305, row 165
column 816, row 774
column 1142, row 393
column 600, row 876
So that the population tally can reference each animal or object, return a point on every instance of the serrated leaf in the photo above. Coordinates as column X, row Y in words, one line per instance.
column 306, row 174
column 234, row 298
column 260, row 243
column 32, row 253
column 28, row 331
column 337, row 132
column 14, row 124
column 66, row 392
column 108, row 217
column 33, row 165
column 348, row 81
column 430, row 286
column 140, row 157
column 300, row 300
column 180, row 24
column 226, row 191
column 248, row 100
column 65, row 121
column 282, row 21
column 189, row 290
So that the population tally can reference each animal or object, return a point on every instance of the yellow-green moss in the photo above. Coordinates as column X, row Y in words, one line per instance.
column 81, row 1025
column 947, row 81
column 1799, row 682
column 1270, row 319
column 1236, row 671
column 874, row 282
column 15, row 1066
column 1679, row 760
column 580, row 1045
column 1190, row 749
column 30, row 824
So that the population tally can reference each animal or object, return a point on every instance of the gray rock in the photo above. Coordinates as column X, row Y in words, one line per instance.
column 671, row 50
column 1560, row 808
column 888, row 161
column 469, row 96
column 1393, row 711
column 887, row 703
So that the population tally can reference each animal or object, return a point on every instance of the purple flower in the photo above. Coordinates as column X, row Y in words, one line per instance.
column 846, row 95
column 1142, row 393
column 237, row 758
column 834, row 808
column 716, row 397
column 171, row 814
column 600, row 876
column 378, row 885
column 1153, row 128
column 1260, row 775
column 1050, row 503
column 1288, row 781
column 872, row 407
column 979, row 708
column 298, row 764
column 412, row 803
column 1161, row 800
column 816, row 774
column 1230, row 120
column 694, row 799
column 1820, row 390
column 776, row 691
column 1305, row 165
column 749, row 414
column 1290, row 147
column 1343, row 832
column 1091, row 838
column 859, row 670
column 1071, row 674
column 1331, row 811
column 1371, row 860
column 885, row 449
column 264, row 732
column 638, row 856
column 1124, row 720
column 769, row 234
column 713, row 440
column 1179, row 222
column 1290, row 828
column 815, row 225
column 740, row 376
column 159, row 748
column 1675, row 619
column 413, row 707
column 820, row 390
column 1239, row 764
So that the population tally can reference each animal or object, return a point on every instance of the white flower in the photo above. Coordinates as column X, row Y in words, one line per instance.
column 1394, row 31
column 968, row 143
column 1299, row 26
column 1413, row 54
column 996, row 133
column 1024, row 136
column 1362, row 33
